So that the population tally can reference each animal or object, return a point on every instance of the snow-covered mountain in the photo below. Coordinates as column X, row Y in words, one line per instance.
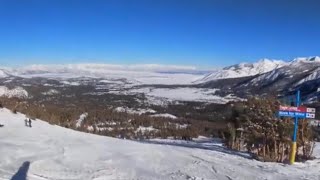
column 308, row 68
column 51, row 152
column 306, row 59
column 283, row 80
column 243, row 70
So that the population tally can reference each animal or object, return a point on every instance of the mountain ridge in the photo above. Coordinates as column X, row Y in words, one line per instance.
column 130, row 71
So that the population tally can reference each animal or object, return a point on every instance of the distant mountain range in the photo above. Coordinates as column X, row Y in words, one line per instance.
column 131, row 71
column 243, row 69
column 269, row 77
column 263, row 77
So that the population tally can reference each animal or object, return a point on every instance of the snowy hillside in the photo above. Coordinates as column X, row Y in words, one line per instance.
column 46, row 152
column 15, row 92
column 243, row 70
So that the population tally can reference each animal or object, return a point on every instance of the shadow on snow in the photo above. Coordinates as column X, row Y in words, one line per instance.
column 21, row 174
column 206, row 145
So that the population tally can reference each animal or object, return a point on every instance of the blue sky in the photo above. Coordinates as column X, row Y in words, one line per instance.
column 184, row 32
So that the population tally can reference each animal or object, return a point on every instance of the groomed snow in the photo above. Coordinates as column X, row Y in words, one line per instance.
column 48, row 152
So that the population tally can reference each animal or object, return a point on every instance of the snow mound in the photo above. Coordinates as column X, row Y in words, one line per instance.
column 51, row 152
column 18, row 92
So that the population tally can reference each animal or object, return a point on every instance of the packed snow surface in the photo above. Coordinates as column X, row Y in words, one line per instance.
column 49, row 152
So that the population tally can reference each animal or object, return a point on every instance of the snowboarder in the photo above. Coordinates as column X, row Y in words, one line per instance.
column 26, row 122
column 30, row 122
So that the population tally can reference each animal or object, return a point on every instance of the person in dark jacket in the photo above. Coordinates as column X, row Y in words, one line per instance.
column 30, row 122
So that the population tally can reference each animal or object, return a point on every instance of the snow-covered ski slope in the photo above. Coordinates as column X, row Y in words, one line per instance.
column 51, row 152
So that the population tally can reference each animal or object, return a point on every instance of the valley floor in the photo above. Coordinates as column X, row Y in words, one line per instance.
column 51, row 152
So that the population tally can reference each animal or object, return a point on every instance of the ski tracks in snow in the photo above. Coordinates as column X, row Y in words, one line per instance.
column 56, row 153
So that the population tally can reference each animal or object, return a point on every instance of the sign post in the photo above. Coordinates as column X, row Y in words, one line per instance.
column 294, row 137
column 296, row 113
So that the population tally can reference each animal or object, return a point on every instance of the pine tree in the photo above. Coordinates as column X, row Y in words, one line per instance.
column 254, row 126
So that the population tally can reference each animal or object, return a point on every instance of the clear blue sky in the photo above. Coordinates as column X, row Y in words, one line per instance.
column 186, row 32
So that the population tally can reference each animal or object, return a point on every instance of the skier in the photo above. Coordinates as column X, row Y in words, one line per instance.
column 30, row 122
column 26, row 122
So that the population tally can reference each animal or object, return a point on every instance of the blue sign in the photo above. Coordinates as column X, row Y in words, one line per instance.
column 293, row 114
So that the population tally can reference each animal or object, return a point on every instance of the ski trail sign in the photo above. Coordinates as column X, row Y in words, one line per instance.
column 299, row 112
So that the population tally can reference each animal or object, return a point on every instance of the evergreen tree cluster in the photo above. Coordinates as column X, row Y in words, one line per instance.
column 255, row 127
